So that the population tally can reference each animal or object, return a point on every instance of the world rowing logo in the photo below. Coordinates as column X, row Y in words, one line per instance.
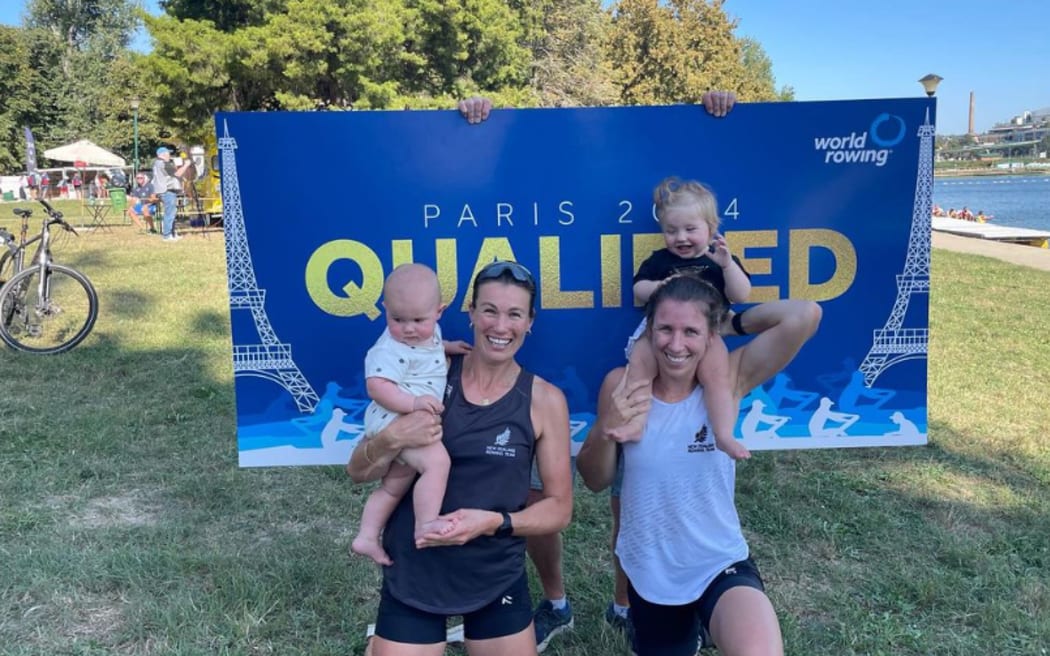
column 885, row 132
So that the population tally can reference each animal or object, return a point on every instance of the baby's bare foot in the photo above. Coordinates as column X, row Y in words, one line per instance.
column 371, row 548
column 435, row 527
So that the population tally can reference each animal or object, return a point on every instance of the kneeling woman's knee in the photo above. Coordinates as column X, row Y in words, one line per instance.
column 806, row 316
column 813, row 314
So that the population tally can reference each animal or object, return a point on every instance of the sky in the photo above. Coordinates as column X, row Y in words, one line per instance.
column 847, row 49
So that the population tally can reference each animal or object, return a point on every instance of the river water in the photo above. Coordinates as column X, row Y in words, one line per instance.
column 1013, row 200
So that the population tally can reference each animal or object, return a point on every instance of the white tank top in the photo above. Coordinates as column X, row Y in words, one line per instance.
column 678, row 523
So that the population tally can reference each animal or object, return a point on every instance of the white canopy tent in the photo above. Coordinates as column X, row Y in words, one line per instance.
column 85, row 151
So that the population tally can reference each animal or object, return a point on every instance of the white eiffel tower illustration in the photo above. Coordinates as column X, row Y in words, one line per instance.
column 893, row 343
column 270, row 359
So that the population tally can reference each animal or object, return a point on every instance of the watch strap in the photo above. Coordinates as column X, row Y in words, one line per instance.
column 506, row 528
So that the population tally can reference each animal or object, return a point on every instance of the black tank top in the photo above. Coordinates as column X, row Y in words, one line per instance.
column 491, row 449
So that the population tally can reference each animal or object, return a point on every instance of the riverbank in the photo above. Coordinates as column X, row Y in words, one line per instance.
column 965, row 173
column 1029, row 256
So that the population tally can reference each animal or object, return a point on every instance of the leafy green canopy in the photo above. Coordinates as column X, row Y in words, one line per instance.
column 71, row 74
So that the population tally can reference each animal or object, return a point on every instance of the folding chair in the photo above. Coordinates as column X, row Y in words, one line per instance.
column 118, row 200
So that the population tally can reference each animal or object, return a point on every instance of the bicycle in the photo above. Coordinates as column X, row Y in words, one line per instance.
column 45, row 307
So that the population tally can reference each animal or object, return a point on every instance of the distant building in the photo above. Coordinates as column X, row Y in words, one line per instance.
column 1020, row 136
column 1027, row 127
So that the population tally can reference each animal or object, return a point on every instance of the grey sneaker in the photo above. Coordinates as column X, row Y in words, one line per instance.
column 550, row 622
column 618, row 622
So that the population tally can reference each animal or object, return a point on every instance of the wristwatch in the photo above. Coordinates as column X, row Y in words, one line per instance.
column 506, row 529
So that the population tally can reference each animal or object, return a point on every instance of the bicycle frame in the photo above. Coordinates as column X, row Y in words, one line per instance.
column 18, row 251
column 43, row 258
column 20, row 257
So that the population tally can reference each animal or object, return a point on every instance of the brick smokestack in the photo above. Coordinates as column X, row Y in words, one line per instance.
column 971, row 114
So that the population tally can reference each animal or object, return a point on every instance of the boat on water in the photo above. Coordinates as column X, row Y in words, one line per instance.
column 1006, row 234
column 964, row 214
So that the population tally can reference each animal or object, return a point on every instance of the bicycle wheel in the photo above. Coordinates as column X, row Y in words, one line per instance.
column 7, row 267
column 52, row 322
column 7, row 264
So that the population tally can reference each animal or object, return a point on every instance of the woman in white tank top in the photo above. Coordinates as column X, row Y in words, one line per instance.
column 680, row 541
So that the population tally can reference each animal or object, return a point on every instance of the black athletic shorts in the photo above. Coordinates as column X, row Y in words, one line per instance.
column 510, row 613
column 675, row 630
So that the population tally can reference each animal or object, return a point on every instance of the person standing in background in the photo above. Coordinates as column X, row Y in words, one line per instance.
column 166, row 185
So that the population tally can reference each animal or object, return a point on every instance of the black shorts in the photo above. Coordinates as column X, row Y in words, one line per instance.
column 510, row 613
column 674, row 630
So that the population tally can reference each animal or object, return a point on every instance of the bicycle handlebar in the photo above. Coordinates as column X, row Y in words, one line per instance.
column 52, row 212
column 56, row 216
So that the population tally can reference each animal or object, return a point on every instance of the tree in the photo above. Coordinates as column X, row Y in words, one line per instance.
column 76, row 22
column 81, row 72
column 191, row 70
column 567, row 40
column 226, row 15
column 758, row 82
column 70, row 74
column 674, row 51
column 460, row 46
column 104, row 26
column 336, row 54
column 29, row 94
column 325, row 56
column 17, row 106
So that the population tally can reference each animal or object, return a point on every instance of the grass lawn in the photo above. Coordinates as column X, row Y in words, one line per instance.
column 127, row 528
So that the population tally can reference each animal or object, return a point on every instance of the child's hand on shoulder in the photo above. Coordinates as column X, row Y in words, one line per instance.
column 456, row 347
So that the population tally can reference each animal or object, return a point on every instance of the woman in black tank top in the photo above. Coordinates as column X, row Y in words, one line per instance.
column 497, row 418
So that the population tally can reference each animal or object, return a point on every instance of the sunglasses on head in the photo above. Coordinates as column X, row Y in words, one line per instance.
column 498, row 268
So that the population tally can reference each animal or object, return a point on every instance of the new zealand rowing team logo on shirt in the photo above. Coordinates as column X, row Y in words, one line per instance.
column 499, row 446
column 700, row 444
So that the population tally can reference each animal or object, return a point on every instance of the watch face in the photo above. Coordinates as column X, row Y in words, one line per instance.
column 505, row 528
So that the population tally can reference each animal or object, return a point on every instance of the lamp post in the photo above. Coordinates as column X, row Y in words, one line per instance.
column 929, row 82
column 135, row 122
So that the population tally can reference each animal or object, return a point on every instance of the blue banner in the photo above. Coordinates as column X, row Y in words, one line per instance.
column 827, row 201
column 30, row 150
